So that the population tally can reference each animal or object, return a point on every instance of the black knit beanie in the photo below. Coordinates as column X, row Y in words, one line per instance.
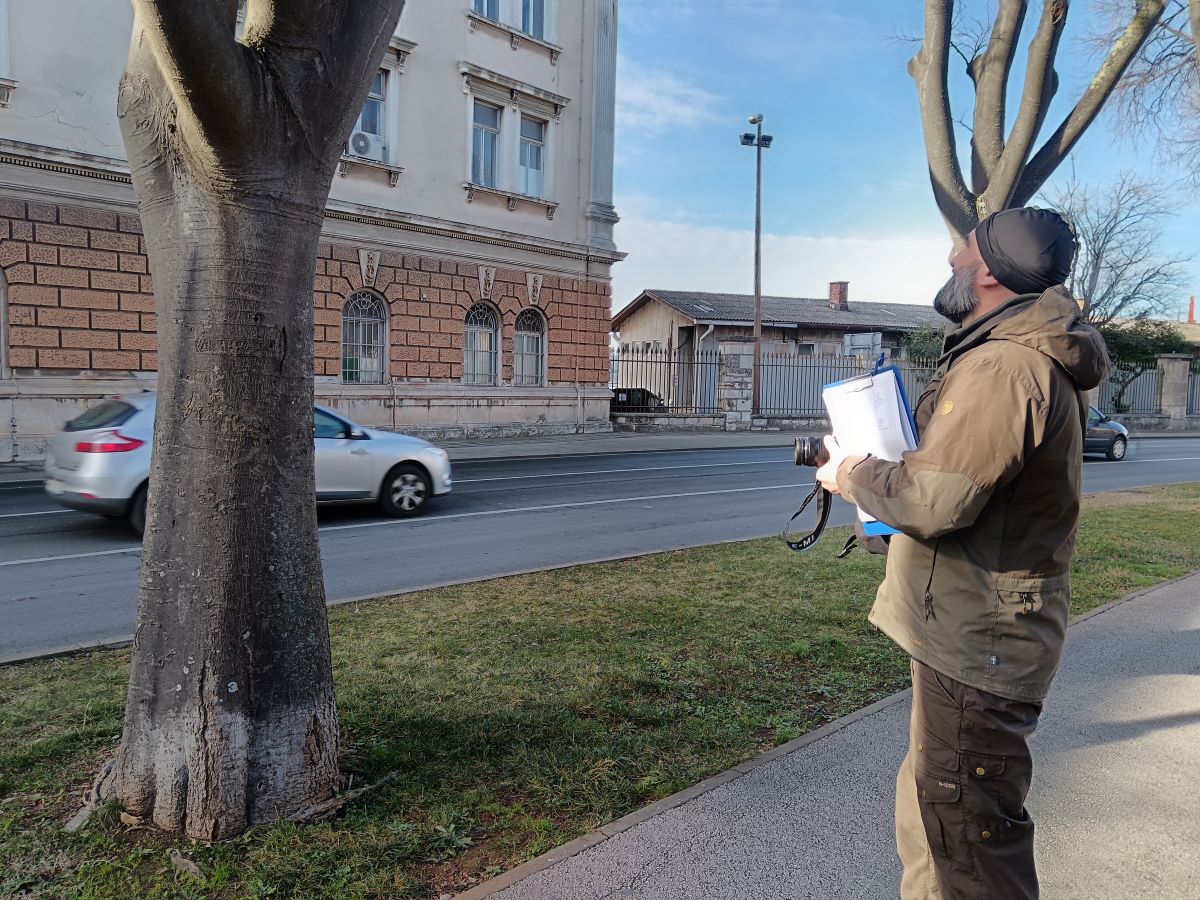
column 1027, row 250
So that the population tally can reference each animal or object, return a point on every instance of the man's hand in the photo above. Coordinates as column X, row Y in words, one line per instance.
column 827, row 474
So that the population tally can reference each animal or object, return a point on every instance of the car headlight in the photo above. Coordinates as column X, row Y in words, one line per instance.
column 438, row 451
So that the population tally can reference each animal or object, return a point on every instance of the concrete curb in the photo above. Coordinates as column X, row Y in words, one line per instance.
column 625, row 823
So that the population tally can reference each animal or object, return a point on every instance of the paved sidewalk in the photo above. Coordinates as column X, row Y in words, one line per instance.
column 1114, row 795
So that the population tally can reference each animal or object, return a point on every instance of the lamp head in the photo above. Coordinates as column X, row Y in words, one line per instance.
column 756, row 118
column 747, row 140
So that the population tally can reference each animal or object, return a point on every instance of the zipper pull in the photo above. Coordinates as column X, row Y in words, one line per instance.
column 929, row 613
column 1026, row 602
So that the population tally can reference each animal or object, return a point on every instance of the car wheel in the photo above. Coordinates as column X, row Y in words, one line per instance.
column 405, row 491
column 137, row 511
column 1116, row 450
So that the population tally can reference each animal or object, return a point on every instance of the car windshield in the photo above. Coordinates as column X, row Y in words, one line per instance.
column 108, row 414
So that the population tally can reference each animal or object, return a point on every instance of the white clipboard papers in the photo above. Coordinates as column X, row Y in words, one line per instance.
column 870, row 415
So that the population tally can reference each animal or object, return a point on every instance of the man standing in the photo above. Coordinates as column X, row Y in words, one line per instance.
column 977, row 589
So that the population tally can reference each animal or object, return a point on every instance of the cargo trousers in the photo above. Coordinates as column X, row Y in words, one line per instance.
column 962, row 830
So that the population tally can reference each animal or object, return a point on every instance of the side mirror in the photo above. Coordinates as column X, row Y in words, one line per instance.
column 356, row 435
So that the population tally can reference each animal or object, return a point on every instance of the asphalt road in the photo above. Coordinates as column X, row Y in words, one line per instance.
column 69, row 579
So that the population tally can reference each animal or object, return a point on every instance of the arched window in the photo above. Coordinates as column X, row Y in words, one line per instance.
column 364, row 338
column 529, row 367
column 481, row 341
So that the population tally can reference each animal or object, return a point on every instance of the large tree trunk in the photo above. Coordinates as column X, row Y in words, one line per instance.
column 230, row 718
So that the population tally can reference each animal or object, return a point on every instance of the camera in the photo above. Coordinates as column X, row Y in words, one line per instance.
column 810, row 451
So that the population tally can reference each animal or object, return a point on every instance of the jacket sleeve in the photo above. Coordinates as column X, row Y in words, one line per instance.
column 988, row 419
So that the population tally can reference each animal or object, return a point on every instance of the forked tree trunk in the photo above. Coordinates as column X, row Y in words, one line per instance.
column 230, row 719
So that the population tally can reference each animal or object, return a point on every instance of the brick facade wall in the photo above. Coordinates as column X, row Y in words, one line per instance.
column 80, row 298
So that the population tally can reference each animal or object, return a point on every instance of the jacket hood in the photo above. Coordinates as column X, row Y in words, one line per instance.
column 1050, row 323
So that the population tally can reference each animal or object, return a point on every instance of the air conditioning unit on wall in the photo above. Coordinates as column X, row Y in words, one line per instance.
column 366, row 146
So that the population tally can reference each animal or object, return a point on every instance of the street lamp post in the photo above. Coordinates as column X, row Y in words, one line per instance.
column 760, row 142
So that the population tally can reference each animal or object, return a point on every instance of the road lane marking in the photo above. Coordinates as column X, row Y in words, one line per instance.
column 499, row 512
column 720, row 465
column 573, row 505
column 40, row 559
column 464, row 515
column 44, row 512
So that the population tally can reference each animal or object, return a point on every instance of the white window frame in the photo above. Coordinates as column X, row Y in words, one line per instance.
column 523, row 356
column 510, row 21
column 496, row 4
column 516, row 100
column 394, row 64
column 370, row 301
column 490, row 378
column 380, row 97
column 499, row 182
column 543, row 151
column 7, row 83
column 524, row 25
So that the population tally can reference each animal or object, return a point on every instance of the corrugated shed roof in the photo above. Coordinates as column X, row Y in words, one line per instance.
column 705, row 308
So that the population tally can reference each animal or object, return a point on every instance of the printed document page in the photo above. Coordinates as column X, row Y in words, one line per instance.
column 868, row 416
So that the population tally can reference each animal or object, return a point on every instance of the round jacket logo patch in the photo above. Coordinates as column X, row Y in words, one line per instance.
column 947, row 407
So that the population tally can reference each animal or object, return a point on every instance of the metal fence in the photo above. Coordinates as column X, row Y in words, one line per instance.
column 791, row 384
column 1131, row 388
column 648, row 381
column 1193, row 405
column 657, row 381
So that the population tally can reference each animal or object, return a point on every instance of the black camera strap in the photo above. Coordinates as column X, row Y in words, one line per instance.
column 823, row 497
column 823, row 504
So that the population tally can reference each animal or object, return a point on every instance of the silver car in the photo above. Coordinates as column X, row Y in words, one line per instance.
column 100, row 462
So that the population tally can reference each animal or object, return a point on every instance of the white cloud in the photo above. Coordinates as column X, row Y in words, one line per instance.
column 653, row 101
column 677, row 255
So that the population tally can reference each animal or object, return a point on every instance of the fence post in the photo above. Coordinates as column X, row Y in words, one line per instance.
column 735, row 383
column 1175, row 369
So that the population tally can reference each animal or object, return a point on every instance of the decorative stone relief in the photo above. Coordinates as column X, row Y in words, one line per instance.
column 487, row 277
column 368, row 266
column 533, row 284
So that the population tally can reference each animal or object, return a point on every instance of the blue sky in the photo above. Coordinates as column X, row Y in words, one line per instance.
column 846, row 192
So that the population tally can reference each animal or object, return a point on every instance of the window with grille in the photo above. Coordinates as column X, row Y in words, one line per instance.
column 533, row 145
column 485, row 145
column 529, row 358
column 481, row 343
column 364, row 338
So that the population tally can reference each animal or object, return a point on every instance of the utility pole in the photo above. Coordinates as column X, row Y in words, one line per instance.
column 760, row 142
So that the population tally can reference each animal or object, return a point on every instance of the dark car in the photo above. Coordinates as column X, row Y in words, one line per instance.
column 636, row 400
column 1105, row 436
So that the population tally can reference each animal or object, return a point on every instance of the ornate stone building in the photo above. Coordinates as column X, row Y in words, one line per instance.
column 463, row 283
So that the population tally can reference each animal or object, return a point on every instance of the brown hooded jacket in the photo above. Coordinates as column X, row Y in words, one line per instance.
column 978, row 583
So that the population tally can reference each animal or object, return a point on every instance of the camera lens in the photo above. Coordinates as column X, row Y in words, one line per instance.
column 810, row 451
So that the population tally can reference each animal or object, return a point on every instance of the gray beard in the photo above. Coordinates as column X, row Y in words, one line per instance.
column 956, row 299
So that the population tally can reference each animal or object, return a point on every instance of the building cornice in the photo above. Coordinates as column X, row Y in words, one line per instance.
column 84, row 165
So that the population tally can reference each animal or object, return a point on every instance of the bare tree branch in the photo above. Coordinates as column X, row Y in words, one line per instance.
column 204, row 68
column 929, row 69
column 1055, row 150
column 1119, row 270
column 989, row 71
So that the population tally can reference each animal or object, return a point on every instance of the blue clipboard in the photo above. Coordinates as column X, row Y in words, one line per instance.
column 875, row 528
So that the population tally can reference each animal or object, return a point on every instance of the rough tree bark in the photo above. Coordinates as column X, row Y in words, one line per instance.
column 1005, row 171
column 230, row 718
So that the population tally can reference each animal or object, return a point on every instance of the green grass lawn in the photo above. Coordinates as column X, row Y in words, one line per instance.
column 521, row 712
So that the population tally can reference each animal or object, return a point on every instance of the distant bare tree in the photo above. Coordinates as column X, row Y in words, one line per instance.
column 1005, row 169
column 1119, row 271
